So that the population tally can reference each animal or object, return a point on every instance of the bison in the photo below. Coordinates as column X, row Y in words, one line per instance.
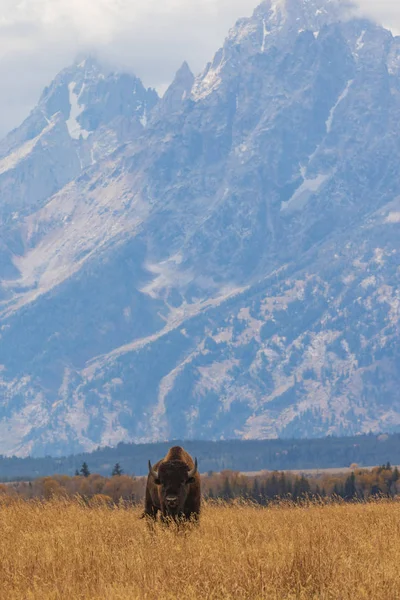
column 173, row 487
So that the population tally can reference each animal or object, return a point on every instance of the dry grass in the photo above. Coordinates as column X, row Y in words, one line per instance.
column 63, row 550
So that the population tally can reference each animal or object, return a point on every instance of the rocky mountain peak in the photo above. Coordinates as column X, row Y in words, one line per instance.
column 82, row 116
column 90, row 97
column 57, row 96
column 284, row 19
column 274, row 24
column 177, row 92
column 184, row 76
column 312, row 13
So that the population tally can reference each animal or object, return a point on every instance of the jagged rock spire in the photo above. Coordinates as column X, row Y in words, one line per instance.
column 177, row 92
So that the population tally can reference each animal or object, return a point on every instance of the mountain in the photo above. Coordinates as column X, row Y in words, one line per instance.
column 229, row 270
column 84, row 115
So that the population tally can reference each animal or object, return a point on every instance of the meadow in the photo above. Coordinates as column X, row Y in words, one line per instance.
column 66, row 549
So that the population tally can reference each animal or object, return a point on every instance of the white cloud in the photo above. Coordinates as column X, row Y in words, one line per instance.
column 386, row 12
column 150, row 38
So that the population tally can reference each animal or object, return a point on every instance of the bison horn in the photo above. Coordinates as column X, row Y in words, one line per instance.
column 193, row 472
column 152, row 471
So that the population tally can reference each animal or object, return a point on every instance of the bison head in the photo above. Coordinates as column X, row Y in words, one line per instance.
column 174, row 479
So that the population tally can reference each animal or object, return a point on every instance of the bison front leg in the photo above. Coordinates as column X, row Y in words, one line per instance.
column 165, row 519
column 192, row 517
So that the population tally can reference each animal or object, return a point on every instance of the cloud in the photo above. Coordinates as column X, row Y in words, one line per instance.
column 386, row 12
column 150, row 38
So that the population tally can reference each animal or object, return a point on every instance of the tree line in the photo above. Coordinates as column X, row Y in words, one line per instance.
column 84, row 470
column 263, row 488
column 239, row 455
column 360, row 484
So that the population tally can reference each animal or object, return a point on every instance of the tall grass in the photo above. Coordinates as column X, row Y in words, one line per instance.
column 67, row 550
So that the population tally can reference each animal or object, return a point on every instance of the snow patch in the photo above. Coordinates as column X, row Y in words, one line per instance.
column 304, row 192
column 208, row 84
column 393, row 217
column 143, row 118
column 360, row 42
column 75, row 130
column 158, row 421
column 276, row 14
column 92, row 158
column 274, row 9
column 265, row 34
column 166, row 274
column 379, row 256
column 214, row 376
column 368, row 282
column 342, row 96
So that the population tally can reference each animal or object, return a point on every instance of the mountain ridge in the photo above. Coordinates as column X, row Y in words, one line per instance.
column 208, row 275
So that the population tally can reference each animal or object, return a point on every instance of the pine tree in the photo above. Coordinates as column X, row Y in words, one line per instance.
column 117, row 470
column 227, row 490
column 77, row 473
column 282, row 485
column 301, row 489
column 272, row 487
column 350, row 490
column 263, row 499
column 244, row 492
column 255, row 492
column 85, row 470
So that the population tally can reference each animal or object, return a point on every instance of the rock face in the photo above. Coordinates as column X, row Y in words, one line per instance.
column 221, row 263
column 83, row 116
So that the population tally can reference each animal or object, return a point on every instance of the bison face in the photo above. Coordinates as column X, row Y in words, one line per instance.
column 173, row 479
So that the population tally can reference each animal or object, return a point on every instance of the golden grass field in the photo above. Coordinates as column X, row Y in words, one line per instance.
column 65, row 550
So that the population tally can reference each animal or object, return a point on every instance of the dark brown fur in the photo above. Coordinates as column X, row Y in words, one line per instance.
column 172, row 480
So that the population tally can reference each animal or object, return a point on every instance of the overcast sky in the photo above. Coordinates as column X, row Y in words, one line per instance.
column 151, row 38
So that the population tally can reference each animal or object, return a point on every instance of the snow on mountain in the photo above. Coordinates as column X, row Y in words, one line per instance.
column 98, row 111
column 221, row 263
column 74, row 129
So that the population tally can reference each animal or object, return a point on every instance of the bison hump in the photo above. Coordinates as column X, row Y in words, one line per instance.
column 177, row 453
